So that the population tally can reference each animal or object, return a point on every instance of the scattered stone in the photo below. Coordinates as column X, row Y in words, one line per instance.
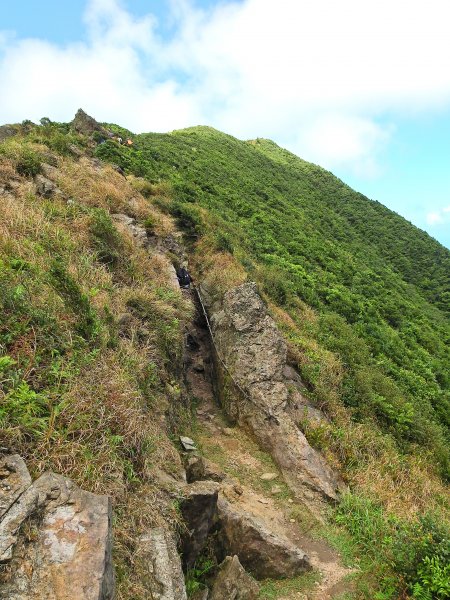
column 227, row 431
column 238, row 489
column 291, row 520
column 290, row 501
column 199, row 510
column 276, row 489
column 187, row 443
column 268, row 476
column 262, row 552
column 157, row 552
column 233, row 583
column 72, row 544
column 263, row 501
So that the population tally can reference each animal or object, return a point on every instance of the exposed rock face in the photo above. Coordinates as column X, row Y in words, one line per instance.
column 157, row 551
column 260, row 551
column 233, row 583
column 14, row 480
column 198, row 510
column 45, row 187
column 255, row 353
column 199, row 468
column 85, row 124
column 7, row 131
column 69, row 553
column 138, row 232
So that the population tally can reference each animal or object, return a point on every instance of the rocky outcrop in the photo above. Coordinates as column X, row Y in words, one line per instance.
column 199, row 510
column 45, row 187
column 265, row 401
column 233, row 583
column 85, row 124
column 199, row 468
column 7, row 131
column 262, row 552
column 157, row 556
column 68, row 554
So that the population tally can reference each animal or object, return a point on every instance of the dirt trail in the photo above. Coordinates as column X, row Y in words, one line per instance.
column 240, row 458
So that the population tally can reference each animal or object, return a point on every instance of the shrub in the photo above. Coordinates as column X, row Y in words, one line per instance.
column 105, row 238
column 66, row 286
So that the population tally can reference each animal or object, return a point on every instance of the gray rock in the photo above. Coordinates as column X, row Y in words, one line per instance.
column 198, row 509
column 45, row 187
column 85, row 124
column 7, row 131
column 254, row 351
column 233, row 583
column 202, row 469
column 262, row 552
column 157, row 552
column 69, row 555
column 138, row 232
column 187, row 443
column 14, row 480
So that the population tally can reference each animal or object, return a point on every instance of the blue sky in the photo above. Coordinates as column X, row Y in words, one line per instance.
column 360, row 87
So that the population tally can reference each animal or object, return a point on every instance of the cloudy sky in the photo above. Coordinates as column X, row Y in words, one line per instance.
column 361, row 87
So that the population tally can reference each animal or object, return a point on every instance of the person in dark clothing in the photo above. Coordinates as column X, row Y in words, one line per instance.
column 184, row 279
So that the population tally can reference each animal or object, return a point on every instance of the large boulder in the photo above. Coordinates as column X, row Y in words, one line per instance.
column 233, row 583
column 157, row 555
column 262, row 552
column 69, row 553
column 252, row 348
column 199, row 511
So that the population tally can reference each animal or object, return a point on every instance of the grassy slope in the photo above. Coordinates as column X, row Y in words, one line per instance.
column 363, row 320
column 79, row 394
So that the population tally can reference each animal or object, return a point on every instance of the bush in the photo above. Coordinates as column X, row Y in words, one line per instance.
column 78, row 302
column 105, row 238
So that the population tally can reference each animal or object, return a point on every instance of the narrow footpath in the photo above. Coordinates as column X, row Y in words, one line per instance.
column 258, row 486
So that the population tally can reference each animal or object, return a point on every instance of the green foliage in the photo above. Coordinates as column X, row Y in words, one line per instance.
column 25, row 158
column 105, row 238
column 196, row 576
column 410, row 556
column 66, row 286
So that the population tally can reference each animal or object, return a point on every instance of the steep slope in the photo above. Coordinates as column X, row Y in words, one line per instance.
column 378, row 283
column 93, row 351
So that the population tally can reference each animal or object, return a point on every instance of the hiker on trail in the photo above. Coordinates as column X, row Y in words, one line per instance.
column 184, row 279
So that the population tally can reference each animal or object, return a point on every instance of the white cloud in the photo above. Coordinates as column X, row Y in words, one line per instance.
column 434, row 218
column 439, row 216
column 317, row 76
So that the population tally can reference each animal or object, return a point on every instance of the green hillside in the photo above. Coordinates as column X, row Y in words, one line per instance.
column 93, row 335
column 379, row 285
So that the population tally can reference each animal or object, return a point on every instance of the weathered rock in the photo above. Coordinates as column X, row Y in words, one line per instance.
column 85, row 124
column 268, row 476
column 157, row 554
column 138, row 232
column 255, row 353
column 202, row 469
column 199, row 510
column 69, row 556
column 260, row 551
column 187, row 443
column 7, row 131
column 14, row 480
column 200, row 595
column 45, row 187
column 233, row 583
